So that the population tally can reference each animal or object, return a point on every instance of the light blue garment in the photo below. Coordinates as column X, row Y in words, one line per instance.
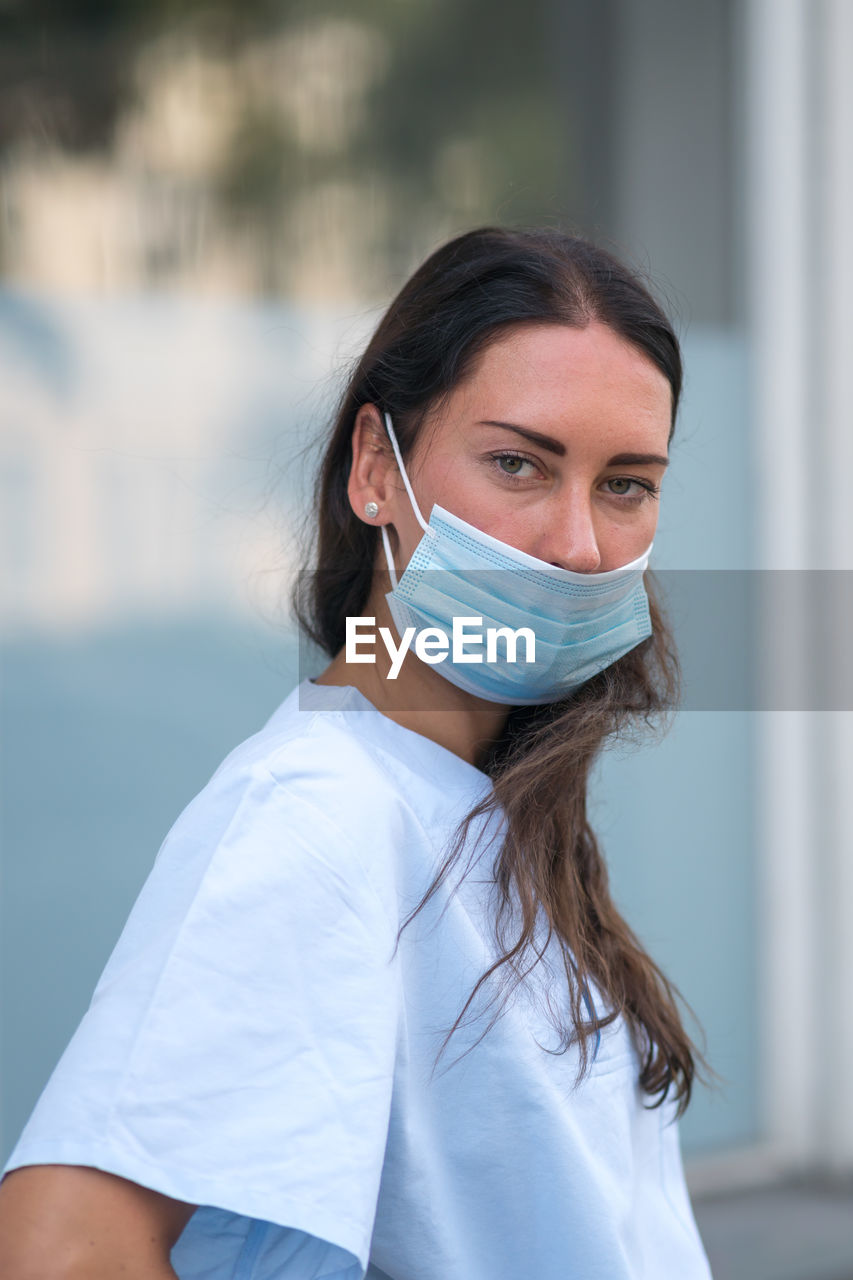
column 256, row 1046
column 580, row 623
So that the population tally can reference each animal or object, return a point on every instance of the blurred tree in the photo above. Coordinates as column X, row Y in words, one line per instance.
column 66, row 66
column 431, row 114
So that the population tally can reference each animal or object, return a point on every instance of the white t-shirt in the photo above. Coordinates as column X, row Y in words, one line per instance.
column 257, row 1046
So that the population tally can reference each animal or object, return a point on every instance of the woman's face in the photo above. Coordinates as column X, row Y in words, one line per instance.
column 556, row 444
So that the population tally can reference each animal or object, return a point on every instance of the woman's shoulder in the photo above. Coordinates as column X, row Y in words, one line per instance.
column 296, row 826
column 315, row 734
column 330, row 784
column 314, row 764
column 329, row 749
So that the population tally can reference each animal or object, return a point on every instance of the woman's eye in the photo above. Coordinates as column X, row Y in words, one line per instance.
column 513, row 464
column 621, row 487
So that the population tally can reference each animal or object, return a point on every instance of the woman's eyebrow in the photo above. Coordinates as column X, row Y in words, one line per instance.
column 556, row 446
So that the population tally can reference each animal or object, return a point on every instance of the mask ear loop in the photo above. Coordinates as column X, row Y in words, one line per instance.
column 385, row 542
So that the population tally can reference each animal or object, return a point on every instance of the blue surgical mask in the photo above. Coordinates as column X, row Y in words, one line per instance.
column 582, row 622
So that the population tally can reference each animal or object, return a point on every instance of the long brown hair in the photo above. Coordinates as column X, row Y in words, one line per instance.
column 550, row 865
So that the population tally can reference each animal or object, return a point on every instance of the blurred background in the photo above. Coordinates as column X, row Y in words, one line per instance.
column 204, row 208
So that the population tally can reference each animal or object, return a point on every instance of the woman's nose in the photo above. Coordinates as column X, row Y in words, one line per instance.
column 571, row 541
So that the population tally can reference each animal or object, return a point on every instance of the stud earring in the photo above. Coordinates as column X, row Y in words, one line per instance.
column 371, row 509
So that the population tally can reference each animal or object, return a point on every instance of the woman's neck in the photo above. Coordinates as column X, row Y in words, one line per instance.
column 419, row 698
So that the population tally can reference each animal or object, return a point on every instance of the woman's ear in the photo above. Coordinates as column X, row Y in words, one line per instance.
column 371, row 488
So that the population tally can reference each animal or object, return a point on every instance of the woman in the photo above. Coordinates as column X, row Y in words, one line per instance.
column 375, row 1011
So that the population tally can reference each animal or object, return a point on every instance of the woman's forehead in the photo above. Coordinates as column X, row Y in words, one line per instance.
column 557, row 378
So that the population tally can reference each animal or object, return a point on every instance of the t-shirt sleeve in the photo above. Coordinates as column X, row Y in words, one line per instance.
column 239, row 1048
